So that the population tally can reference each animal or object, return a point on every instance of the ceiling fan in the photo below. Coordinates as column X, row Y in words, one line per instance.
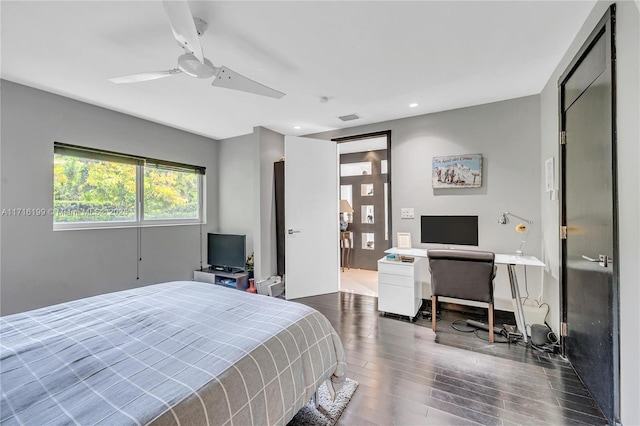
column 186, row 30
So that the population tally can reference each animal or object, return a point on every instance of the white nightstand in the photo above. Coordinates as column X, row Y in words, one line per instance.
column 400, row 286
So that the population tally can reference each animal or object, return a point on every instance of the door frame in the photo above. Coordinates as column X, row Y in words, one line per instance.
column 604, row 28
column 387, row 134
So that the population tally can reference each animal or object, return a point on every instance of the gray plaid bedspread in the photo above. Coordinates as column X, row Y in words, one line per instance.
column 179, row 353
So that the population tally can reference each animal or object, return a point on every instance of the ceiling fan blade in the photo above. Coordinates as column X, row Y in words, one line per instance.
column 183, row 27
column 232, row 80
column 144, row 76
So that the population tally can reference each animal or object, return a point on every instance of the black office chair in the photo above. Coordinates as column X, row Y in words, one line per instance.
column 462, row 274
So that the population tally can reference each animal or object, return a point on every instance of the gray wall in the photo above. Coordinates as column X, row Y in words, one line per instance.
column 271, row 150
column 507, row 134
column 41, row 267
column 236, row 186
column 628, row 108
column 247, row 200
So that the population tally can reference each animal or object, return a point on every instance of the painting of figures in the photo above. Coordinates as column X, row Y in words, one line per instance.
column 457, row 171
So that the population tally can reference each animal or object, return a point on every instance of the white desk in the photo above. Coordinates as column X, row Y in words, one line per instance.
column 407, row 252
column 511, row 260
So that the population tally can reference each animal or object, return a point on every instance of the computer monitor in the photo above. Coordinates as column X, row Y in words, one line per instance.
column 458, row 230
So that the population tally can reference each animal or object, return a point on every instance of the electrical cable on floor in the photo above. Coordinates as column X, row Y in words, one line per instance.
column 547, row 314
column 139, row 250
column 426, row 315
column 464, row 329
column 551, row 348
column 201, row 267
column 497, row 338
column 463, row 326
column 552, row 345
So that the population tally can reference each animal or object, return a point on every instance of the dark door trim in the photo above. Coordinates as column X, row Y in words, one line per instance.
column 386, row 133
column 604, row 28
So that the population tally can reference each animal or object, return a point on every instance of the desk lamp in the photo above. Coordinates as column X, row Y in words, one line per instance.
column 345, row 207
column 521, row 228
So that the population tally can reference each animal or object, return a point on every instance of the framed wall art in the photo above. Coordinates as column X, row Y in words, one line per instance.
column 457, row 171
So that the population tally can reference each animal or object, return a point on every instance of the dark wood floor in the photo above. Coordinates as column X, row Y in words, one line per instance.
column 408, row 376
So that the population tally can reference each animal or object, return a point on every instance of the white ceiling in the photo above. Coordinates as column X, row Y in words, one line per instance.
column 370, row 58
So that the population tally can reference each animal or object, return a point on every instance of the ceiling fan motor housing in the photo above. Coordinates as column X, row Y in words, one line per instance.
column 191, row 66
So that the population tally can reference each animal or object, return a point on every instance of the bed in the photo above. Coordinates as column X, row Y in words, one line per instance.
column 178, row 353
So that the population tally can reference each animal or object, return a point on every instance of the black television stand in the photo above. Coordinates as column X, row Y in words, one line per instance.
column 238, row 280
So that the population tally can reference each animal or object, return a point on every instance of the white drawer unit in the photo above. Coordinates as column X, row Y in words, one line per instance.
column 396, row 280
column 395, row 267
column 400, row 287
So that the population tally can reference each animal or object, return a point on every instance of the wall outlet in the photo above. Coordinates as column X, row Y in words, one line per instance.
column 407, row 213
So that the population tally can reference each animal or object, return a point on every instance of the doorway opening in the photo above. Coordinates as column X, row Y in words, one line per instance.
column 365, row 209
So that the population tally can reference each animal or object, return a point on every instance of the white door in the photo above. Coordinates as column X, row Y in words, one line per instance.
column 311, row 217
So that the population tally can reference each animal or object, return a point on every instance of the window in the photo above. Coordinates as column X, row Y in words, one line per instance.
column 93, row 188
column 170, row 194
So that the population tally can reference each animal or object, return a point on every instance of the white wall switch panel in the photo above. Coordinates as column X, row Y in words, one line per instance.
column 407, row 213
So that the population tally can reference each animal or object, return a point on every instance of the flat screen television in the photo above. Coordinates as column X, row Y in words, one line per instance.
column 226, row 252
column 459, row 230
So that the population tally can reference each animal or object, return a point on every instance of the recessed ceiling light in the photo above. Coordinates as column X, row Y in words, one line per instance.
column 297, row 127
column 413, row 105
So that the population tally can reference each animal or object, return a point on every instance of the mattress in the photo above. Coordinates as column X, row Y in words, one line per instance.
column 178, row 353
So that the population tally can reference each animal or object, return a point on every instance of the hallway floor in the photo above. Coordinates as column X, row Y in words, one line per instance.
column 359, row 281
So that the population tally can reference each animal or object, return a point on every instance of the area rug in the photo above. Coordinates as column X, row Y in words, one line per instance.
column 328, row 413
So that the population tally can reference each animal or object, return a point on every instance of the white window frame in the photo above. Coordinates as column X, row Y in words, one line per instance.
column 139, row 220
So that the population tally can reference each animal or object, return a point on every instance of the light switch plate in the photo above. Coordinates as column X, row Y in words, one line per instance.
column 407, row 213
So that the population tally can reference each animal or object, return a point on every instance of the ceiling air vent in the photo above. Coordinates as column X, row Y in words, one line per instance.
column 349, row 117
